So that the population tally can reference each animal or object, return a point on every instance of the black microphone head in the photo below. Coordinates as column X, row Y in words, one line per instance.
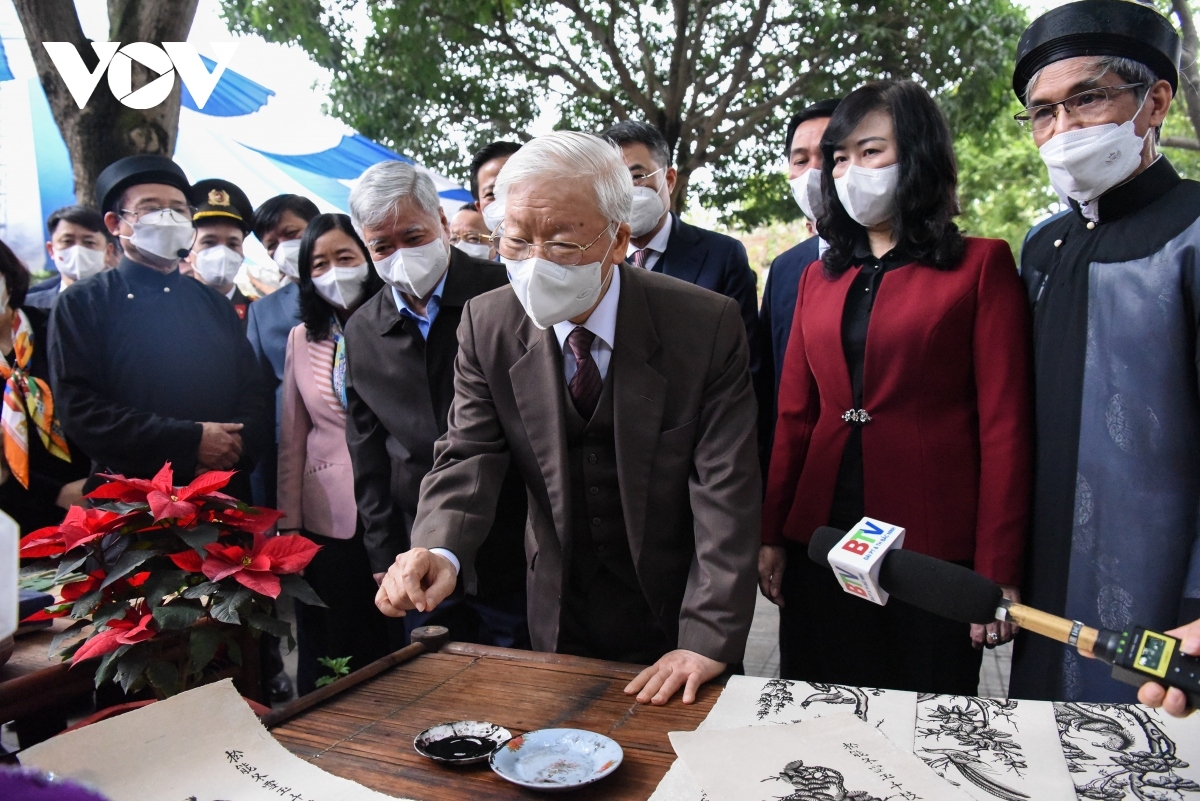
column 822, row 542
column 942, row 588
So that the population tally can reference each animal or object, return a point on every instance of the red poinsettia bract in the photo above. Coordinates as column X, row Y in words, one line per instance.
column 166, row 501
column 256, row 568
column 136, row 626
column 79, row 527
column 77, row 589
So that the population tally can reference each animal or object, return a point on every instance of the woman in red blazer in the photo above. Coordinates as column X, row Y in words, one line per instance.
column 905, row 397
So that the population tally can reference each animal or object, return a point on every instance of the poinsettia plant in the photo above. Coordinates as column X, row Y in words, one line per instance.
column 163, row 581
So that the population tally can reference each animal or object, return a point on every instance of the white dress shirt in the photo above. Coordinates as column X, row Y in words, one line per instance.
column 603, row 323
column 656, row 246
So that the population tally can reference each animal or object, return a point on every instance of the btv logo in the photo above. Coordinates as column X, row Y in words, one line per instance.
column 118, row 61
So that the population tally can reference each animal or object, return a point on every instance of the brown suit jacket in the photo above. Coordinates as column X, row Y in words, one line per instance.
column 686, row 456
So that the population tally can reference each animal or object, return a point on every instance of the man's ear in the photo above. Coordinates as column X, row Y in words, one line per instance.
column 672, row 176
column 50, row 249
column 1159, row 102
column 113, row 223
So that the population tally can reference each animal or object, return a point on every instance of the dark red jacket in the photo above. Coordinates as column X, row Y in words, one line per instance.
column 947, row 382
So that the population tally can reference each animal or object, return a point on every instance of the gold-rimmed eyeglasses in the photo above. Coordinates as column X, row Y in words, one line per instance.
column 564, row 254
column 1087, row 107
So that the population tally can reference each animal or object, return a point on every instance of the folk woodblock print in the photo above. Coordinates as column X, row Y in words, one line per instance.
column 1116, row 752
column 835, row 758
column 995, row 750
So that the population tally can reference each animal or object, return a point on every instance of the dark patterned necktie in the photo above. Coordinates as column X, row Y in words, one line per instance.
column 586, row 384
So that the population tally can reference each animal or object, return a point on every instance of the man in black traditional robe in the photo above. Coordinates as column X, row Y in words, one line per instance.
column 1115, row 288
column 149, row 366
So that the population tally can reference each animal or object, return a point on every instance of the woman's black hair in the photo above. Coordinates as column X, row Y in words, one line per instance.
column 927, row 193
column 315, row 311
column 16, row 276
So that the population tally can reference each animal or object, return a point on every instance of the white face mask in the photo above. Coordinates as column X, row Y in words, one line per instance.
column 342, row 286
column 493, row 215
column 218, row 265
column 551, row 293
column 648, row 209
column 1086, row 163
column 287, row 257
column 869, row 195
column 78, row 262
column 476, row 250
column 165, row 233
column 806, row 189
column 415, row 271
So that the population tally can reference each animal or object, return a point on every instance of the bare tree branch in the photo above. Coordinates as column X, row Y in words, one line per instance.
column 1188, row 69
column 606, row 41
column 1180, row 142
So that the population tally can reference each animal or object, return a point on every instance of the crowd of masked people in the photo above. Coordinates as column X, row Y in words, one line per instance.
column 561, row 419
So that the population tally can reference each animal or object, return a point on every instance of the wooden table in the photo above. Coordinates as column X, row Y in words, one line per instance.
column 34, row 686
column 366, row 733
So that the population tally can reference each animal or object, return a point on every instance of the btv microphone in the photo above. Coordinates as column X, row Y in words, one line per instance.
column 1137, row 655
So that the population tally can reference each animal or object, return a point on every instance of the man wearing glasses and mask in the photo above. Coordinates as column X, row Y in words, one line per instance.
column 149, row 366
column 661, row 242
column 1115, row 285
column 623, row 399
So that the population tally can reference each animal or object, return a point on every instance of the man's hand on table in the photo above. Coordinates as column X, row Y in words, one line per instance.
column 1173, row 701
column 687, row 669
column 417, row 580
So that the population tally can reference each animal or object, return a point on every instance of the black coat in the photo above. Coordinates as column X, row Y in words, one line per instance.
column 139, row 359
column 399, row 388
column 36, row 507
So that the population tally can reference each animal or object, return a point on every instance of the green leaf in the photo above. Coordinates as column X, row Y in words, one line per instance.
column 106, row 668
column 66, row 634
column 68, row 565
column 130, row 667
column 84, row 606
column 126, row 564
column 301, row 590
column 162, row 582
column 269, row 624
column 178, row 614
column 226, row 610
column 202, row 589
column 107, row 612
column 202, row 646
column 164, row 676
column 324, row 680
column 198, row 537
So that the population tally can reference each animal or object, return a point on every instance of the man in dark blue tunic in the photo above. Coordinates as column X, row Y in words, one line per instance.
column 149, row 366
column 1115, row 288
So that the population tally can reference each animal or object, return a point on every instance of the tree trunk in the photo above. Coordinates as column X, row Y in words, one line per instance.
column 105, row 130
column 1189, row 73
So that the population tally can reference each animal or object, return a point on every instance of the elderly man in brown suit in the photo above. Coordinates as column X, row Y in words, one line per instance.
column 624, row 399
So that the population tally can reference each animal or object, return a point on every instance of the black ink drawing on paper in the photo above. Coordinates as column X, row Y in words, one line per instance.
column 975, row 748
column 815, row 783
column 777, row 694
column 1128, row 753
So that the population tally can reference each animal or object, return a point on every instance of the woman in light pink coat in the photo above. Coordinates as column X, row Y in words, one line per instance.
column 316, row 482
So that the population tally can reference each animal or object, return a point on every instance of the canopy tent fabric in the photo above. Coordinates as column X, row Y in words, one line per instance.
column 238, row 135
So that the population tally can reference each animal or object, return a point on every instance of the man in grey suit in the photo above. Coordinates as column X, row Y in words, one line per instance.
column 623, row 398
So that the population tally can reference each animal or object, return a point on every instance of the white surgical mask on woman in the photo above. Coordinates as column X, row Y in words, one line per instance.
column 218, row 265
column 164, row 233
column 476, row 250
column 78, row 262
column 551, row 293
column 287, row 258
column 343, row 287
column 415, row 271
column 868, row 194
column 648, row 209
column 806, row 189
column 1087, row 162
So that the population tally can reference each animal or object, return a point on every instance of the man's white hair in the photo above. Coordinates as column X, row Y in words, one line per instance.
column 387, row 186
column 572, row 156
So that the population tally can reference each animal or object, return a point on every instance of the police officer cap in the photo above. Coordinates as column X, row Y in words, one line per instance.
column 216, row 199
column 1099, row 28
column 134, row 170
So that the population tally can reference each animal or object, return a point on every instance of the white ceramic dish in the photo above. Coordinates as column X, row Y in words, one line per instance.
column 557, row 759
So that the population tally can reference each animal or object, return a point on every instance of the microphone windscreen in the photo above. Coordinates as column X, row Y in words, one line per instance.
column 943, row 588
column 822, row 542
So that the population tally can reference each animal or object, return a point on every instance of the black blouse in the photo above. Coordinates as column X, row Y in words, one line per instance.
column 848, row 501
